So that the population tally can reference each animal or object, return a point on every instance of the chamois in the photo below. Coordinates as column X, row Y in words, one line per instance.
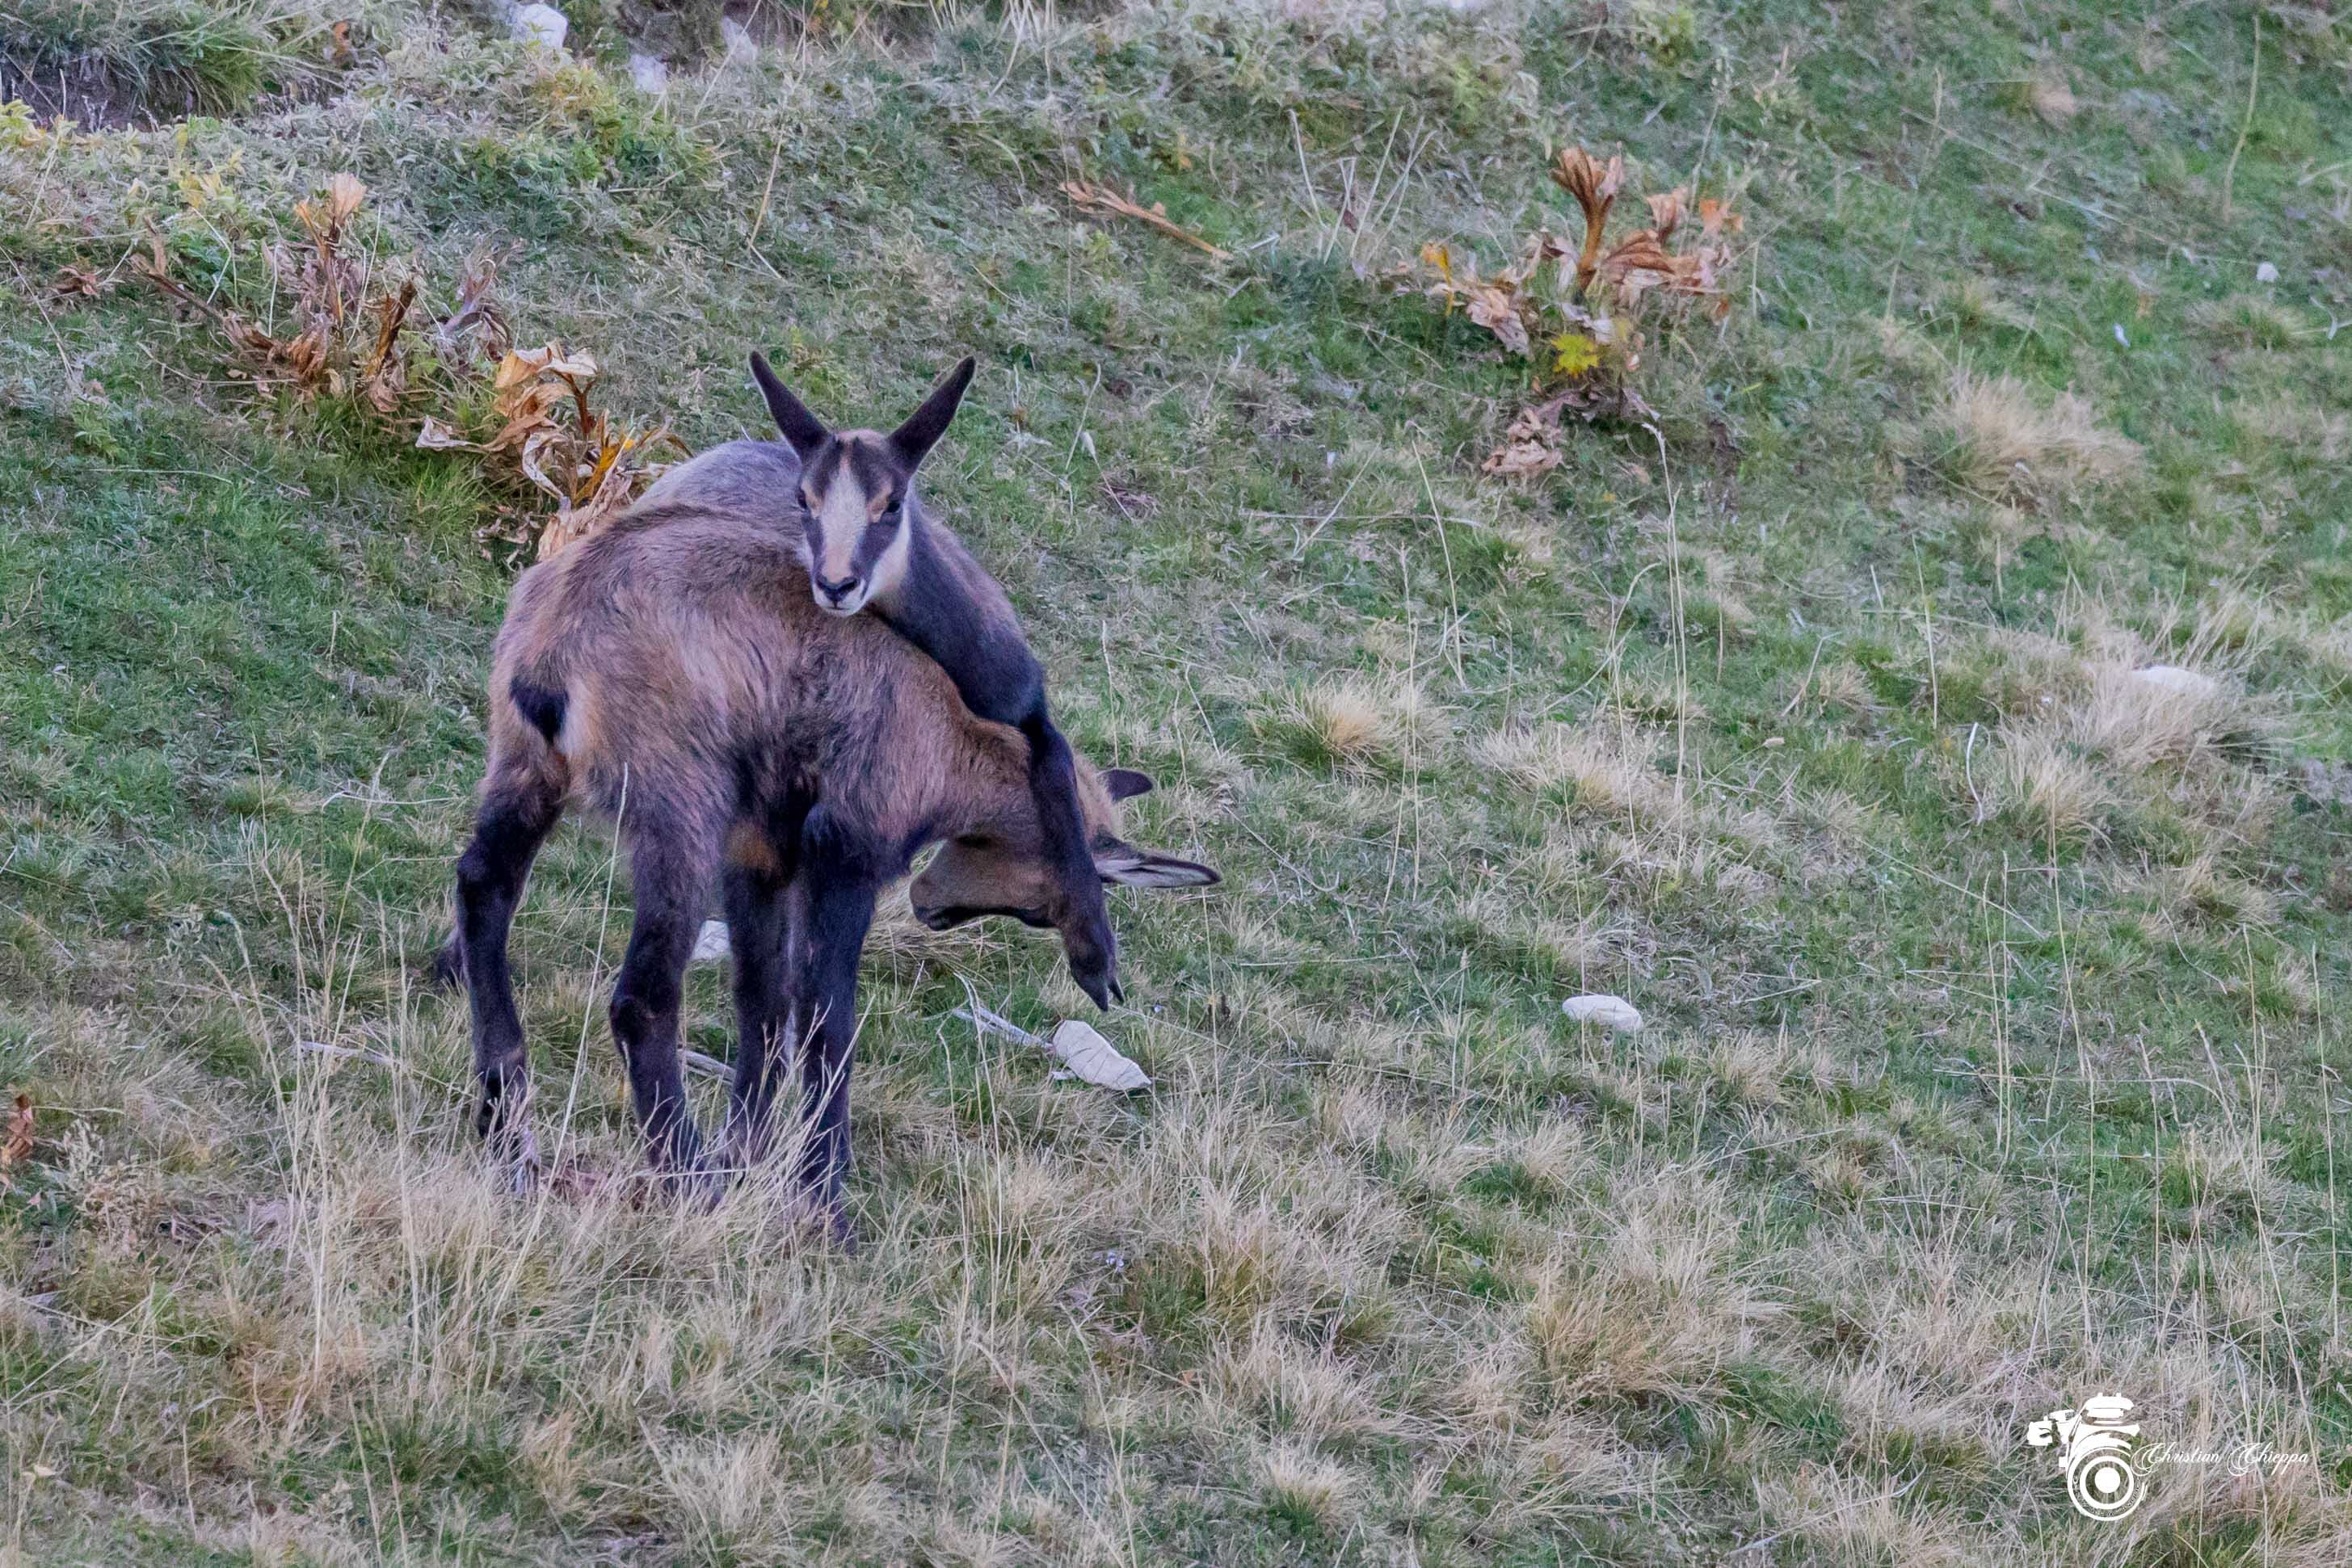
column 671, row 672
column 871, row 546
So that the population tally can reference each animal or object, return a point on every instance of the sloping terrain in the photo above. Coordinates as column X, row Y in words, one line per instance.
column 1993, row 984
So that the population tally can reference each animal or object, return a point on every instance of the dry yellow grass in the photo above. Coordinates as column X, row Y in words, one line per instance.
column 1359, row 724
column 2035, row 776
column 2005, row 442
column 2054, row 99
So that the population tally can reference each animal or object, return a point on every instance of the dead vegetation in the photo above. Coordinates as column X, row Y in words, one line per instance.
column 354, row 341
column 1582, row 317
column 2118, row 719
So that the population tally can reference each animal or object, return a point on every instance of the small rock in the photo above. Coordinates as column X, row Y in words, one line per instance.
column 2266, row 273
column 649, row 72
column 710, row 945
column 740, row 44
column 1608, row 1012
column 2122, row 337
column 2173, row 678
column 542, row 25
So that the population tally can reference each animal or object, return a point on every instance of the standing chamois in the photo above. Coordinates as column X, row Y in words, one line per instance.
column 871, row 546
column 672, row 673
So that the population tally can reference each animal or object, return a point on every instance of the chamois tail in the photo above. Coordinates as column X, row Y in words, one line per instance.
column 543, row 706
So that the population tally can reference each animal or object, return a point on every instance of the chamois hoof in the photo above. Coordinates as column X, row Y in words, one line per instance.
column 689, row 1177
column 449, row 967
column 700, row 1190
column 523, row 1168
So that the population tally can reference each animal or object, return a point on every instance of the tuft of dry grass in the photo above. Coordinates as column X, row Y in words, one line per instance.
column 2035, row 776
column 1356, row 723
column 1659, row 1307
column 1304, row 1488
column 2249, row 321
column 2003, row 442
column 2122, row 716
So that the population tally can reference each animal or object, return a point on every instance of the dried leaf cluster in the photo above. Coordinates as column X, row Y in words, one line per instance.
column 1582, row 317
column 17, row 1141
column 591, row 467
column 352, row 339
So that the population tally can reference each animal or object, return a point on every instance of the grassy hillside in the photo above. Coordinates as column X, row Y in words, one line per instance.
column 1993, row 1056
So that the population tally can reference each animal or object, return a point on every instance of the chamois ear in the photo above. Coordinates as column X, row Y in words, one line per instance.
column 914, row 440
column 1127, row 866
column 802, row 429
column 1126, row 783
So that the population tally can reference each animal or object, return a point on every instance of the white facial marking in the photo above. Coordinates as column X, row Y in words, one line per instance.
column 839, row 525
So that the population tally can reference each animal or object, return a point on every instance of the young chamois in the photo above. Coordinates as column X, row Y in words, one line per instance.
column 871, row 546
column 672, row 673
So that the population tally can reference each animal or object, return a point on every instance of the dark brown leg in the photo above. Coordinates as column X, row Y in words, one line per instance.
column 513, row 821
column 671, row 874
column 832, row 904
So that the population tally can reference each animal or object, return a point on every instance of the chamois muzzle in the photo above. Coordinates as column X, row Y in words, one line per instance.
column 841, row 596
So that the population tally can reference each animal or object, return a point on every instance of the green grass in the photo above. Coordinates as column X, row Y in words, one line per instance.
column 1992, row 1059
column 152, row 61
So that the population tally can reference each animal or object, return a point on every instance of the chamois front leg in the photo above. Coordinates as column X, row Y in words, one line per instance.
column 981, row 648
column 513, row 821
column 831, row 908
column 763, row 856
column 671, row 874
column 1084, row 916
column 755, row 940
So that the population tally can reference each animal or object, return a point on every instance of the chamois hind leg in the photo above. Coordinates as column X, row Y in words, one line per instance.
column 831, row 910
column 671, row 868
column 515, row 816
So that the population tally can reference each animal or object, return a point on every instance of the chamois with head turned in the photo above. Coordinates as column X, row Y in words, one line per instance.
column 672, row 673
column 873, row 546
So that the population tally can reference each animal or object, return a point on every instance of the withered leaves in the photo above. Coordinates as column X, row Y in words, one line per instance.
column 1583, row 327
column 354, row 337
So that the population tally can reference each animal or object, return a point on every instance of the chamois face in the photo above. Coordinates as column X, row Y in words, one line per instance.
column 853, row 500
column 853, row 490
column 1005, row 872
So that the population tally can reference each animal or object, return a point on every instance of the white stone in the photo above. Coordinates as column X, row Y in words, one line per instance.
column 740, row 44
column 2266, row 273
column 542, row 25
column 1608, row 1012
column 649, row 72
column 710, row 945
column 2173, row 678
